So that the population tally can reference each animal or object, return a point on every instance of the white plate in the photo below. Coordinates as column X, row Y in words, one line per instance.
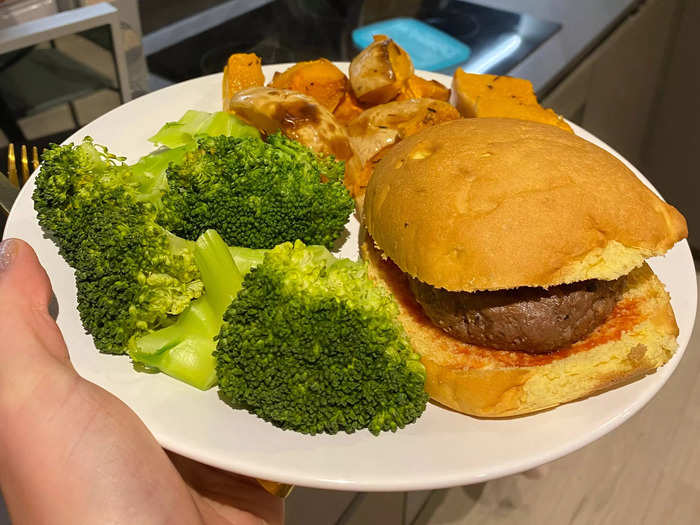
column 441, row 449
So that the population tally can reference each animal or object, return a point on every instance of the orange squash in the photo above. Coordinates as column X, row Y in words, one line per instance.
column 348, row 108
column 319, row 79
column 242, row 71
column 500, row 96
column 418, row 87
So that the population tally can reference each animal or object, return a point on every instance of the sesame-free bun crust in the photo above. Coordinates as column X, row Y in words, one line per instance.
column 491, row 203
column 638, row 337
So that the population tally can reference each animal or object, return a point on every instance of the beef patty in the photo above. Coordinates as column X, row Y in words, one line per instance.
column 533, row 320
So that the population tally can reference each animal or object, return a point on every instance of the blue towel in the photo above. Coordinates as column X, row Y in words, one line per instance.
column 429, row 48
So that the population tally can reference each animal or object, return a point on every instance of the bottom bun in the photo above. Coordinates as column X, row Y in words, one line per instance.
column 638, row 337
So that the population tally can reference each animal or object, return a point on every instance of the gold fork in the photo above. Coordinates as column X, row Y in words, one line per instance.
column 9, row 186
column 281, row 490
column 12, row 172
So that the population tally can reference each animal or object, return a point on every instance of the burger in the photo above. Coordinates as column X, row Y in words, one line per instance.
column 516, row 251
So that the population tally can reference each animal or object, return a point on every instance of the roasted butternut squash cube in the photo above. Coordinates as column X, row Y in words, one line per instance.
column 348, row 109
column 319, row 79
column 418, row 87
column 242, row 71
column 500, row 96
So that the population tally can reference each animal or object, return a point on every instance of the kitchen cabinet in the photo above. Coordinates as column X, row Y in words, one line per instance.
column 613, row 90
column 673, row 140
column 637, row 91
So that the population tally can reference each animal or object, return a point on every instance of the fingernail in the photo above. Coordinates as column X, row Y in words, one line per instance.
column 8, row 250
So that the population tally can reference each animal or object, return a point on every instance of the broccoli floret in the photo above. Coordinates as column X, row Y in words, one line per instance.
column 131, row 274
column 184, row 349
column 257, row 194
column 311, row 344
column 180, row 137
column 131, row 277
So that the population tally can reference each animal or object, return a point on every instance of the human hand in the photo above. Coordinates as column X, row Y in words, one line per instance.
column 70, row 452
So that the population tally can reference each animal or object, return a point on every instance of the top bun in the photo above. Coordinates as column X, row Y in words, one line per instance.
column 491, row 203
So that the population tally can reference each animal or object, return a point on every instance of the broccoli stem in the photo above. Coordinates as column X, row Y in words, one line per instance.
column 193, row 123
column 247, row 258
column 184, row 349
column 149, row 171
column 220, row 275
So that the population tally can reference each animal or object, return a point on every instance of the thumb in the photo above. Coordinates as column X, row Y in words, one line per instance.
column 22, row 279
column 26, row 326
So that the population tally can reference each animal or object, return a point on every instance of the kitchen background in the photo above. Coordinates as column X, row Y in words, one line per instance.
column 626, row 70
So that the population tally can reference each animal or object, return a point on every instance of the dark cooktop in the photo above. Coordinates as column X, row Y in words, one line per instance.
column 295, row 30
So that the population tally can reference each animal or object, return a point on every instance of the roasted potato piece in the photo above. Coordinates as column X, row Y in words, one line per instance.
column 500, row 96
column 417, row 87
column 377, row 128
column 298, row 116
column 383, row 125
column 319, row 79
column 378, row 73
column 242, row 71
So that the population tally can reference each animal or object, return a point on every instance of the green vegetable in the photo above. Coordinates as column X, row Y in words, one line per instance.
column 311, row 344
column 302, row 339
column 194, row 123
column 131, row 274
column 180, row 137
column 151, row 171
column 257, row 194
column 246, row 258
column 184, row 349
